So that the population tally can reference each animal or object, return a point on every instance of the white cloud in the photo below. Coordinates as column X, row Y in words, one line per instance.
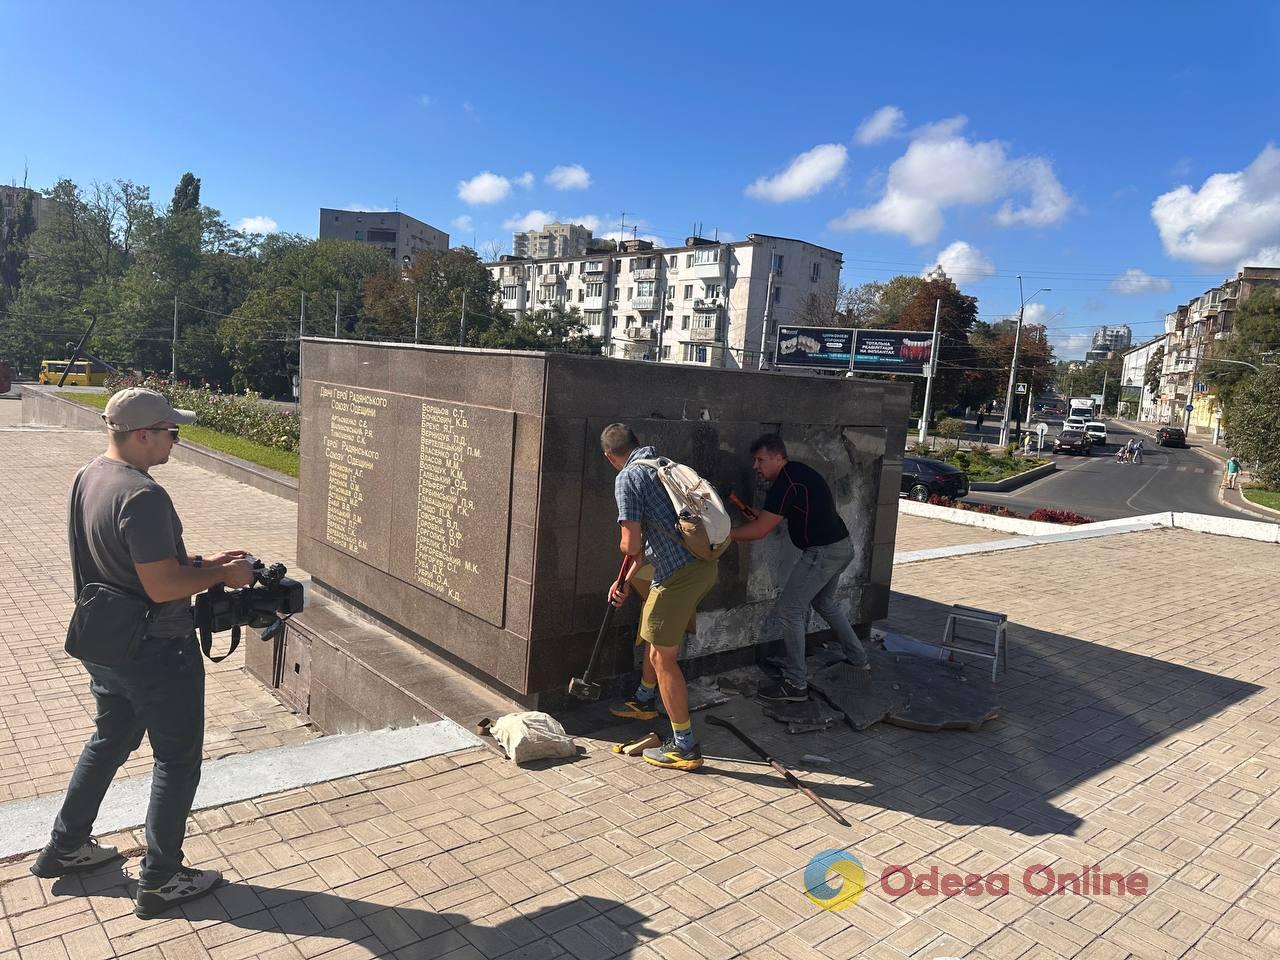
column 257, row 225
column 963, row 262
column 571, row 176
column 1035, row 313
column 1134, row 281
column 941, row 168
column 805, row 175
column 525, row 180
column 1230, row 216
column 464, row 222
column 881, row 125
column 589, row 220
column 1266, row 257
column 484, row 187
column 533, row 220
column 1070, row 346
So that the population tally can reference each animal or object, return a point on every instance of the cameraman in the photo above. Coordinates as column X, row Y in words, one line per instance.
column 125, row 533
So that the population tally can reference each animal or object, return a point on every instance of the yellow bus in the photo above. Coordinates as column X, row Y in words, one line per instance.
column 83, row 373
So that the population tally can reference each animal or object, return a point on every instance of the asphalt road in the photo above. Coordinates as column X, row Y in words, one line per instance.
column 1169, row 478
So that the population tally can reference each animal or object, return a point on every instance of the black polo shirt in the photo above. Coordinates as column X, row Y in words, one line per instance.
column 800, row 495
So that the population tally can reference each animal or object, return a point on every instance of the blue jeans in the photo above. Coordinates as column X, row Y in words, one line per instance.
column 812, row 583
column 160, row 693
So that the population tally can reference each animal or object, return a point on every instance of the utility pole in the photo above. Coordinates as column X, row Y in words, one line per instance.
column 1013, row 367
column 462, row 326
column 336, row 301
column 764, row 325
column 933, row 370
column 173, row 372
column 302, row 312
column 1191, row 392
column 1103, row 405
column 417, row 317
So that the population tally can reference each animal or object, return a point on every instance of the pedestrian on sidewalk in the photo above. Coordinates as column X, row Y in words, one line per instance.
column 678, row 584
column 800, row 496
column 978, row 420
column 1233, row 470
column 125, row 533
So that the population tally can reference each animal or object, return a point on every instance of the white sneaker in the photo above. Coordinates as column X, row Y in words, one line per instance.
column 53, row 863
column 187, row 884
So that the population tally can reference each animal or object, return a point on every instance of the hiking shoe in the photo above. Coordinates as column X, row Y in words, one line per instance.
column 54, row 863
column 635, row 709
column 670, row 755
column 783, row 692
column 187, row 884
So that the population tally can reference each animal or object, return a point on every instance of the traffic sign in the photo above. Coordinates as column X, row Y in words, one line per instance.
column 1020, row 389
column 1042, row 428
column 1188, row 408
column 1202, row 388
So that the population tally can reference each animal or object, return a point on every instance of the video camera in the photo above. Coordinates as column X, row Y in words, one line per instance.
column 263, row 604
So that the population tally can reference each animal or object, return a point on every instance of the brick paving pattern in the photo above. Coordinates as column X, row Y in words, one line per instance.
column 922, row 533
column 46, row 710
column 1139, row 733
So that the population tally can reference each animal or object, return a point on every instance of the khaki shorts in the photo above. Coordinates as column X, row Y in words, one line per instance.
column 670, row 607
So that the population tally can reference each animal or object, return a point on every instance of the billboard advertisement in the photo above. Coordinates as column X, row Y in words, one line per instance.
column 822, row 348
column 892, row 351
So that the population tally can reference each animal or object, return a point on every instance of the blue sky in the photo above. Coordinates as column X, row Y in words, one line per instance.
column 1071, row 145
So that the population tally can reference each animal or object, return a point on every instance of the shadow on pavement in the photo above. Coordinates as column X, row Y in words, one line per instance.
column 584, row 925
column 1071, row 710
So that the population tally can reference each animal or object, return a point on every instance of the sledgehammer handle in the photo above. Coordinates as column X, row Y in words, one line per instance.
column 597, row 652
column 786, row 774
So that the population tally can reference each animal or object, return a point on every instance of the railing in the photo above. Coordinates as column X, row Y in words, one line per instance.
column 641, row 333
column 703, row 334
column 648, row 273
column 712, row 303
column 644, row 303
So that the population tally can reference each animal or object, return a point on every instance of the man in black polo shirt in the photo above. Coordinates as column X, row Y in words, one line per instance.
column 800, row 496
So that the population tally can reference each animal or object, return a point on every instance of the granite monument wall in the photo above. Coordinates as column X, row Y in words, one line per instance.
column 459, row 496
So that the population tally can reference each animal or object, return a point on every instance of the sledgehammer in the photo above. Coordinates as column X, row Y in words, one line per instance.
column 585, row 687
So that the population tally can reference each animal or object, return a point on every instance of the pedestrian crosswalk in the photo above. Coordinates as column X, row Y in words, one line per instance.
column 1190, row 469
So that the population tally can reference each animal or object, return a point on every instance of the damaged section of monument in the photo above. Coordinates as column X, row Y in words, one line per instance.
column 458, row 499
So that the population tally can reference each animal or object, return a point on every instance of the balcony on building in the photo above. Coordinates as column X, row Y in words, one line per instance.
column 647, row 273
column 550, row 279
column 644, row 303
column 593, row 303
column 629, row 350
column 702, row 334
column 641, row 332
column 707, row 305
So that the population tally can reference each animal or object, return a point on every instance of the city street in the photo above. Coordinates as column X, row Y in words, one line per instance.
column 1169, row 478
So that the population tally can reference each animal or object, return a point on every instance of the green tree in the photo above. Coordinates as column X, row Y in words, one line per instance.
column 1255, row 339
column 1151, row 376
column 1254, row 420
column 14, row 235
column 555, row 329
column 957, row 314
column 439, row 278
column 186, row 195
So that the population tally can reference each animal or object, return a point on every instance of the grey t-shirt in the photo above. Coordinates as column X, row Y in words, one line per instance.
column 127, row 518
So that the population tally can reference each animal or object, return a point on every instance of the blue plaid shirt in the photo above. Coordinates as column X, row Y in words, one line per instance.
column 642, row 497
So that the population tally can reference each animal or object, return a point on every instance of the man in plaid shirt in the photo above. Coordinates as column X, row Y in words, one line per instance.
column 678, row 583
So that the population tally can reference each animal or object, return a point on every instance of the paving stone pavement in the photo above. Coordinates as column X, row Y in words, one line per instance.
column 1139, row 733
column 46, row 710
column 922, row 533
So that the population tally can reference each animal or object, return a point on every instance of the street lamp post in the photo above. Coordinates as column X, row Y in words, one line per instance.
column 1013, row 367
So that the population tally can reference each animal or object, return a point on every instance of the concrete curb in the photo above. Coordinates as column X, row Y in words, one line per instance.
column 1036, row 532
column 39, row 406
column 1017, row 480
column 25, row 824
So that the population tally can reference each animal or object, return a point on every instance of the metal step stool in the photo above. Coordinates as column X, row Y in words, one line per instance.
column 977, row 633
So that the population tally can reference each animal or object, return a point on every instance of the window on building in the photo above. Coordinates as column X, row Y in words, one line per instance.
column 777, row 294
column 592, row 318
column 510, row 293
column 666, row 352
column 666, row 324
column 336, row 217
column 711, row 291
column 672, row 262
column 617, row 266
column 688, row 259
column 629, row 291
column 359, row 234
column 568, row 269
column 684, row 322
column 614, row 324
column 581, row 296
column 688, row 291
column 595, row 289
column 645, row 288
column 816, row 273
column 706, row 255
column 775, row 263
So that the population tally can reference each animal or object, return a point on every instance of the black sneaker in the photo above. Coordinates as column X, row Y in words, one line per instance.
column 53, row 863
column 783, row 692
column 187, row 884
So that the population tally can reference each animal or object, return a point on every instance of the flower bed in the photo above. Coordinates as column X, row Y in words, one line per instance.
column 1042, row 515
column 238, row 415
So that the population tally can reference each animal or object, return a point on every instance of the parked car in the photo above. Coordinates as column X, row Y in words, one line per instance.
column 1073, row 441
column 1096, row 432
column 924, row 477
column 1171, row 437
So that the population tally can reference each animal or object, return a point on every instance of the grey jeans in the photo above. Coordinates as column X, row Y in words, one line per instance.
column 812, row 584
column 159, row 693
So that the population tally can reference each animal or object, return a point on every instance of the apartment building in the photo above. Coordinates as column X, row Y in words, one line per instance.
column 11, row 198
column 1191, row 331
column 1136, row 401
column 704, row 302
column 1108, row 341
column 553, row 240
column 399, row 234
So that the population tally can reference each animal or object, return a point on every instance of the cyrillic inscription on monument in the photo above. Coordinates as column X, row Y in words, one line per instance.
column 351, row 420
